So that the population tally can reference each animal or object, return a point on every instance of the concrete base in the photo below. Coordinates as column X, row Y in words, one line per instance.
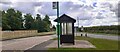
column 78, row 44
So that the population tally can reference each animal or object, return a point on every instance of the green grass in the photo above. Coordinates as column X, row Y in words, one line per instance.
column 103, row 33
column 101, row 44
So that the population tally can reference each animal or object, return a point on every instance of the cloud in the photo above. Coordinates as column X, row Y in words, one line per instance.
column 94, row 4
column 85, row 17
column 64, row 8
column 2, row 2
column 90, row 13
column 5, row 1
column 84, row 22
column 105, row 5
column 25, row 7
column 14, row 1
column 100, row 15
column 118, row 13
column 4, row 6
column 46, row 8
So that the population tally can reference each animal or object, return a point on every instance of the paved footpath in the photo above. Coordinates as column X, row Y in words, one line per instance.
column 25, row 43
column 43, row 45
column 110, row 37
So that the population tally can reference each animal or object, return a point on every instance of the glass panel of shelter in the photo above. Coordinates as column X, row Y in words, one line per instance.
column 66, row 28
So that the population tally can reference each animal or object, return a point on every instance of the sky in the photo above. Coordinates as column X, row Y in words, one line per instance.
column 87, row 12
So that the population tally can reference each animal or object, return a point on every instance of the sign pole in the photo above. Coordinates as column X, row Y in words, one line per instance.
column 58, row 24
column 56, row 6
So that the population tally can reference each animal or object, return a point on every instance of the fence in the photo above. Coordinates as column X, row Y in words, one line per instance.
column 0, row 32
column 19, row 32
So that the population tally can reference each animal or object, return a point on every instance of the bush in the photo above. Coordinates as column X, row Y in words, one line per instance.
column 113, row 29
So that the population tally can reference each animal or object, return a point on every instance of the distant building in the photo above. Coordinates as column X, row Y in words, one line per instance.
column 81, row 29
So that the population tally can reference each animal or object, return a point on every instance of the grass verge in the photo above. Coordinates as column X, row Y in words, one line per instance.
column 103, row 34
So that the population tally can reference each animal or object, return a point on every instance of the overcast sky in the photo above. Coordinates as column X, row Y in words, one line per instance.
column 88, row 12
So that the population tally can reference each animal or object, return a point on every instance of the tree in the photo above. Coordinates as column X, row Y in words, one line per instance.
column 28, row 21
column 19, row 19
column 4, row 21
column 47, row 19
column 38, row 17
column 36, row 24
column 11, row 19
column 40, row 25
column 47, row 23
column 54, row 28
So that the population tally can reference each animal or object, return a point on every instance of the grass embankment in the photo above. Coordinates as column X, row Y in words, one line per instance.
column 102, row 33
column 101, row 44
column 17, row 36
column 112, row 30
column 116, row 33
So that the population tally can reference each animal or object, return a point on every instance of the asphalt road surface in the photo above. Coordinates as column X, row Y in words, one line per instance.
column 110, row 37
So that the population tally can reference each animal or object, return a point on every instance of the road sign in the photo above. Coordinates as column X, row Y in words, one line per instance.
column 54, row 5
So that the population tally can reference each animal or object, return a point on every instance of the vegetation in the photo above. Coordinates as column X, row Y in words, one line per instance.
column 11, row 19
column 113, row 29
column 14, row 19
column 28, row 21
column 101, row 44
column 53, row 28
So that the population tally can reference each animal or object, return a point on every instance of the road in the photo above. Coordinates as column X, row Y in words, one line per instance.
column 25, row 43
column 110, row 37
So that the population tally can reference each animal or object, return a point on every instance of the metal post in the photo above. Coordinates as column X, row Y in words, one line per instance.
column 58, row 25
column 78, row 25
column 56, row 6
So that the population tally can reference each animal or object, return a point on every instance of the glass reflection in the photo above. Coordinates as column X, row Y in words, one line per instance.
column 66, row 28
